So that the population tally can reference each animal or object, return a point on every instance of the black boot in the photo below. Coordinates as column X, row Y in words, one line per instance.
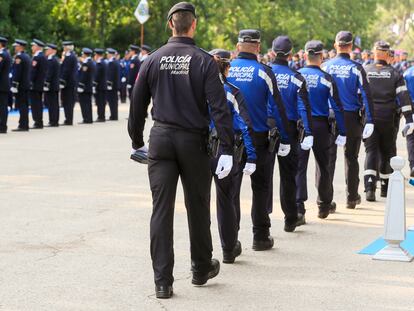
column 384, row 188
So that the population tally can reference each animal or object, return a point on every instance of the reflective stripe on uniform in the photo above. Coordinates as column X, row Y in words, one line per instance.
column 268, row 80
column 231, row 98
column 370, row 172
column 406, row 108
column 401, row 88
column 384, row 176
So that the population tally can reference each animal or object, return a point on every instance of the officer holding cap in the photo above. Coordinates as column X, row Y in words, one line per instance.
column 21, row 84
column 387, row 86
column 350, row 77
column 114, row 71
column 68, row 77
column 292, row 87
column 258, row 85
column 100, row 84
column 134, row 67
column 37, row 81
column 184, row 84
column 85, row 85
column 5, row 65
column 51, row 86
column 323, row 94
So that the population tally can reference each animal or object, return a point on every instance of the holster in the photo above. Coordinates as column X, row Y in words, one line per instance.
column 238, row 148
column 361, row 113
column 274, row 137
column 213, row 144
column 301, row 131
column 332, row 126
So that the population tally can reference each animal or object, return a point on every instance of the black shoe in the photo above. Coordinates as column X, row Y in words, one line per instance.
column 19, row 129
column 67, row 124
column 384, row 188
column 202, row 278
column 384, row 193
column 163, row 291
column 112, row 119
column 332, row 208
column 263, row 245
column 52, row 125
column 3, row 131
column 370, row 196
column 230, row 257
column 85, row 122
column 290, row 226
column 301, row 220
column 37, row 127
column 100, row 120
column 323, row 212
column 353, row 204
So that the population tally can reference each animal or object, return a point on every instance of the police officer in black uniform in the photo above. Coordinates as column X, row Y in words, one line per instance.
column 21, row 84
column 5, row 64
column 37, row 81
column 387, row 85
column 100, row 83
column 114, row 71
column 85, row 85
column 68, row 75
column 51, row 86
column 134, row 66
column 184, row 83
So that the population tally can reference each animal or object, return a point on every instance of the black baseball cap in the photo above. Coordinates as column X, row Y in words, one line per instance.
column 382, row 46
column 314, row 47
column 344, row 38
column 99, row 51
column 181, row 6
column 38, row 43
column 135, row 48
column 282, row 45
column 223, row 55
column 249, row 36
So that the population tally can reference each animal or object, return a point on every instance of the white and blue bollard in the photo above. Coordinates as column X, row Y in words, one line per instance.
column 395, row 218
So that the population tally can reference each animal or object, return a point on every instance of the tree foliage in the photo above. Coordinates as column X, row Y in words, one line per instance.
column 102, row 23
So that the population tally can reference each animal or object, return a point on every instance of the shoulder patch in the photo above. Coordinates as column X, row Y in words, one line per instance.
column 84, row 68
column 34, row 63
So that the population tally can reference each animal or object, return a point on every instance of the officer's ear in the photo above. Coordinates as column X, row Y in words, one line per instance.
column 238, row 47
column 171, row 24
column 194, row 24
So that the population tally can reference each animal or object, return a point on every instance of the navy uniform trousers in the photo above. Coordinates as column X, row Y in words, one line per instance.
column 176, row 153
column 4, row 100
column 52, row 102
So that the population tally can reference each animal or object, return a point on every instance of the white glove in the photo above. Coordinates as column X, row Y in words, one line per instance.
column 307, row 143
column 224, row 166
column 14, row 90
column 80, row 90
column 368, row 130
column 143, row 148
column 45, row 89
column 283, row 150
column 94, row 90
column 109, row 88
column 340, row 141
column 123, row 80
column 129, row 86
column 249, row 169
column 61, row 86
column 408, row 129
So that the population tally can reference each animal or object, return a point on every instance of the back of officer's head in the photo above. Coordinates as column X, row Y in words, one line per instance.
column 344, row 42
column 249, row 41
column 314, row 52
column 382, row 50
column 182, row 19
column 282, row 47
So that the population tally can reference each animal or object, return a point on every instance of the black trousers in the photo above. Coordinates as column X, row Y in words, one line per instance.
column 321, row 151
column 68, row 102
column 260, row 183
column 176, row 153
column 379, row 148
column 100, row 98
column 85, row 102
column 228, row 217
column 112, row 97
column 22, row 103
column 123, row 92
column 37, row 107
column 52, row 102
column 288, row 167
column 4, row 112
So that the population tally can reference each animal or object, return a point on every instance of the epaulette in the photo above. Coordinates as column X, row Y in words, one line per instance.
column 202, row 50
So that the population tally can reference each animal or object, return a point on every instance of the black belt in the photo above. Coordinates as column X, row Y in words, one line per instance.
column 177, row 127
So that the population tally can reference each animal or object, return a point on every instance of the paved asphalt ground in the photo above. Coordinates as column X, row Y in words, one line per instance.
column 74, row 235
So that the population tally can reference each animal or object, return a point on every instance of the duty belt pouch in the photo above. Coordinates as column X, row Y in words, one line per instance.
column 301, row 131
column 213, row 144
column 332, row 126
column 238, row 148
column 361, row 114
column 274, row 137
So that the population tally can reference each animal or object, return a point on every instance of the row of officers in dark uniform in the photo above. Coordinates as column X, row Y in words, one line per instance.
column 254, row 115
column 35, row 82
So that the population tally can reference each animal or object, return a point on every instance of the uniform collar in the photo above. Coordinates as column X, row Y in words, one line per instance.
column 134, row 56
column 37, row 53
column 344, row 55
column 1, row 50
column 282, row 62
column 245, row 55
column 51, row 56
column 313, row 66
column 381, row 62
column 68, row 53
column 111, row 59
column 185, row 40
column 87, row 59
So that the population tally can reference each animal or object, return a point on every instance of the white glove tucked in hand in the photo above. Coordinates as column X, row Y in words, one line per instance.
column 224, row 166
column 340, row 141
column 408, row 129
column 368, row 130
column 283, row 150
column 123, row 80
column 129, row 86
column 80, row 90
column 14, row 90
column 249, row 168
column 307, row 143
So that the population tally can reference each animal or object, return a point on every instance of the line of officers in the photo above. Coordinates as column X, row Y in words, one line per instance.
column 36, row 81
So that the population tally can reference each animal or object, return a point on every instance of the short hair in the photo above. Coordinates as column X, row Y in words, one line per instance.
column 182, row 21
column 314, row 57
